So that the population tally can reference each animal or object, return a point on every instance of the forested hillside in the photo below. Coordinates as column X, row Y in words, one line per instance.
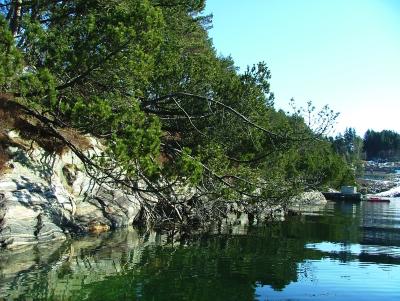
column 382, row 145
column 143, row 77
column 350, row 147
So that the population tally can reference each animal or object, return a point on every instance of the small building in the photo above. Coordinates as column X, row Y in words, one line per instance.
column 347, row 193
column 348, row 189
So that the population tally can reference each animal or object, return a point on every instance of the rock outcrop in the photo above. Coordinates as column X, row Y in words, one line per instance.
column 307, row 202
column 391, row 193
column 44, row 196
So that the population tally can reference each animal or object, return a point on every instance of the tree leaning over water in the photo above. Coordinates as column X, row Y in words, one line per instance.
column 143, row 77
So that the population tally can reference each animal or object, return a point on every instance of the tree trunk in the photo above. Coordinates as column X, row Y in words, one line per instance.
column 16, row 8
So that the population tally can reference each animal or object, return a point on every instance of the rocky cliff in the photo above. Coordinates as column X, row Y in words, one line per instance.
column 46, row 195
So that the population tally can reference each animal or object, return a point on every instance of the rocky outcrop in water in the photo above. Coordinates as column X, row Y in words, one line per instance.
column 44, row 196
column 307, row 202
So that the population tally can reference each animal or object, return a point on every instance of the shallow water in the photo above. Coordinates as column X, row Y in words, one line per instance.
column 344, row 252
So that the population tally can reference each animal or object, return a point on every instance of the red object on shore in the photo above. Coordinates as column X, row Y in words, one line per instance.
column 377, row 199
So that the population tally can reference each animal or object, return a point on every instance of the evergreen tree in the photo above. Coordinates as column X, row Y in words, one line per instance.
column 383, row 145
column 143, row 77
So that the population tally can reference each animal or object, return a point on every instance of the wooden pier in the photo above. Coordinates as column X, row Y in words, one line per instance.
column 347, row 193
column 339, row 196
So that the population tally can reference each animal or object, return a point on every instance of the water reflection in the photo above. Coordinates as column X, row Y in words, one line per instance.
column 347, row 251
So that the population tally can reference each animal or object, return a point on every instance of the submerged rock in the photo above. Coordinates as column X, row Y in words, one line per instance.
column 44, row 196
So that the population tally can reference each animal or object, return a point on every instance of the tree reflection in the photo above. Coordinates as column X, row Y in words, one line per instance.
column 126, row 265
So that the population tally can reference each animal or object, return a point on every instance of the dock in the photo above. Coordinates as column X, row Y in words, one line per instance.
column 339, row 196
column 347, row 193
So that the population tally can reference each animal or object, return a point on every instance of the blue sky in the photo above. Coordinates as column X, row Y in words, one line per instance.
column 342, row 53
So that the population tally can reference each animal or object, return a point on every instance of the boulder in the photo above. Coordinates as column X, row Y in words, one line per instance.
column 307, row 201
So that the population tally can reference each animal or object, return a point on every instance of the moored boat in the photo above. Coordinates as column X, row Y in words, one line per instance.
column 377, row 199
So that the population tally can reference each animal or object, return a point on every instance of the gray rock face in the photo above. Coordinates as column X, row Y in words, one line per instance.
column 307, row 202
column 43, row 197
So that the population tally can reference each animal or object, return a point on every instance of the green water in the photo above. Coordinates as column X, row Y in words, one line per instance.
column 345, row 252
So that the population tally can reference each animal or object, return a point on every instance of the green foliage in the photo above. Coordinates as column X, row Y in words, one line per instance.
column 350, row 147
column 383, row 145
column 189, row 166
column 144, row 77
column 10, row 57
